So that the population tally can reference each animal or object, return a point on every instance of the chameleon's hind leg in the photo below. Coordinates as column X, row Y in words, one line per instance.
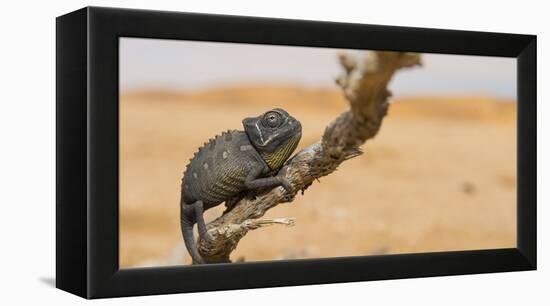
column 203, row 231
column 231, row 203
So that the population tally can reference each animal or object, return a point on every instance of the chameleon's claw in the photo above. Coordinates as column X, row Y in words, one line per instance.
column 289, row 190
column 207, row 237
column 286, row 185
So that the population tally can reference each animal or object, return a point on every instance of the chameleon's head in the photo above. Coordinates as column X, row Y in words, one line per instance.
column 275, row 135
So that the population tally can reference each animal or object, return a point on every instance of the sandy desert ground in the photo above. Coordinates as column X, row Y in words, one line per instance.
column 439, row 176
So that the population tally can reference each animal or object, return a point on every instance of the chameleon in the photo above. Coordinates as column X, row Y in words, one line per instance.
column 235, row 162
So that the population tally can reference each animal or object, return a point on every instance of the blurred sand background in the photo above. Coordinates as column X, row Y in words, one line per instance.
column 440, row 175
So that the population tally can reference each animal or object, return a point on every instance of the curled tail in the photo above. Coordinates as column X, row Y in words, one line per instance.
column 187, row 221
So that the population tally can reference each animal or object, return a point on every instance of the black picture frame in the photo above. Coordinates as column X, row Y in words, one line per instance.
column 87, row 215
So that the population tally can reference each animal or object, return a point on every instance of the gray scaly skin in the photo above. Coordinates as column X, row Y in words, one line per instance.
column 235, row 162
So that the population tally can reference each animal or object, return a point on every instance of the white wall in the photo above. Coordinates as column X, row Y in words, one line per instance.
column 27, row 126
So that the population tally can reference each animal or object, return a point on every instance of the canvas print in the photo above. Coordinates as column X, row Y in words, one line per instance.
column 235, row 152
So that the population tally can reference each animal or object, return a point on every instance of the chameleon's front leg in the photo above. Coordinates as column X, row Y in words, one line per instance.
column 253, row 182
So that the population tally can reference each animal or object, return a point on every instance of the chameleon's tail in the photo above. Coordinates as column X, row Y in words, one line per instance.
column 187, row 222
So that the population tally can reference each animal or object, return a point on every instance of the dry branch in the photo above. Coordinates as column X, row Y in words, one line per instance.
column 364, row 84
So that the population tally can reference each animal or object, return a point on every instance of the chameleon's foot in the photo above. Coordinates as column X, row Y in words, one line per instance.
column 286, row 184
column 289, row 190
column 206, row 237
column 203, row 232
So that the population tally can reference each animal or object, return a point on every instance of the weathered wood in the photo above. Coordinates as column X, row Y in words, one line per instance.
column 364, row 84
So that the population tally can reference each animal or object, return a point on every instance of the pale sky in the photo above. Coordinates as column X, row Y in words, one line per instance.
column 190, row 65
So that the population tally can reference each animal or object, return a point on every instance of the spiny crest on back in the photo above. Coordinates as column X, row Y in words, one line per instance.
column 210, row 145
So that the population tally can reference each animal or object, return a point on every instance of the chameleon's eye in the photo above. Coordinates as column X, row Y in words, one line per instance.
column 272, row 119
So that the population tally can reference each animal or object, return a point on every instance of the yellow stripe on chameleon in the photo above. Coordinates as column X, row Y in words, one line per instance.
column 277, row 158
